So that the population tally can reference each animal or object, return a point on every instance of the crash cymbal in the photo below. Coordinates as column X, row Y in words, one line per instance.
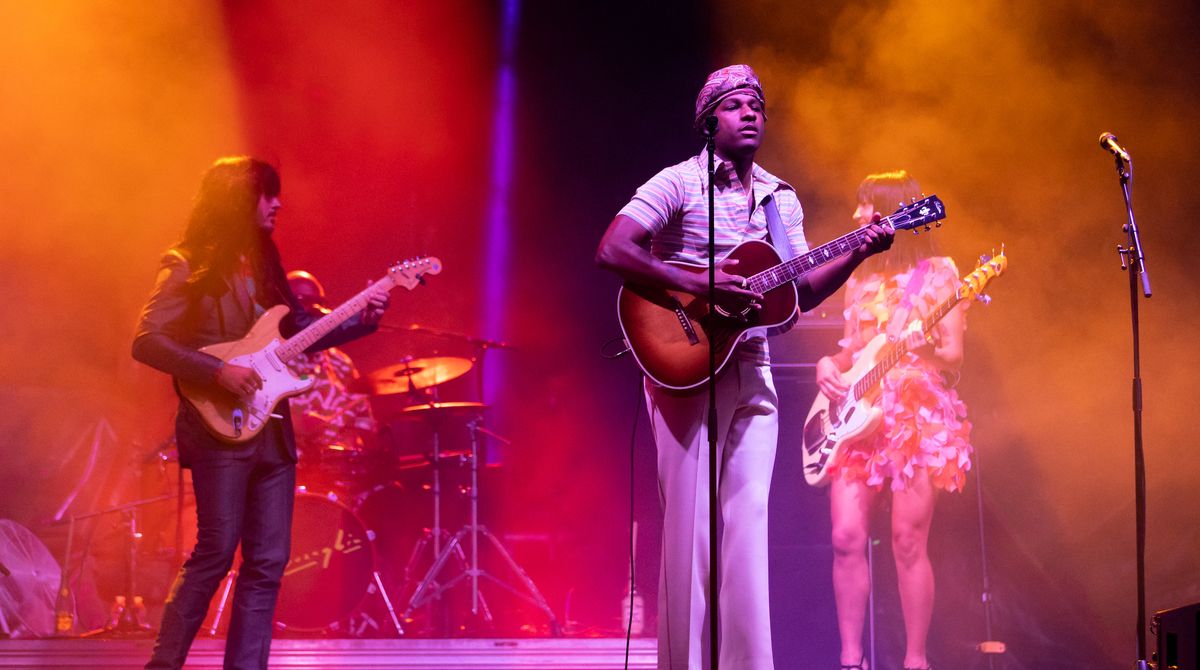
column 417, row 373
column 457, row 407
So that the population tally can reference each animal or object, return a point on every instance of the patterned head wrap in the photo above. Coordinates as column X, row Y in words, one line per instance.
column 723, row 83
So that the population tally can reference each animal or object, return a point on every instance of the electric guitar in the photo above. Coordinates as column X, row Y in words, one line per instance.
column 237, row 419
column 670, row 332
column 856, row 416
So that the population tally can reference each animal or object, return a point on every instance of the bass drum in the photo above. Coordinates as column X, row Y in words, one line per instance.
column 331, row 566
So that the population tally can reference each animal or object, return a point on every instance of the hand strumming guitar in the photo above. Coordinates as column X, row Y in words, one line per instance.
column 238, row 380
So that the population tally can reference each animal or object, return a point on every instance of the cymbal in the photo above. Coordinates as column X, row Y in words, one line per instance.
column 417, row 373
column 422, row 460
column 455, row 407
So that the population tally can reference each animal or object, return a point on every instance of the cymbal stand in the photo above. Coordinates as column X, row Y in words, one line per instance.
column 127, row 621
column 460, row 559
column 434, row 535
column 436, row 490
column 429, row 588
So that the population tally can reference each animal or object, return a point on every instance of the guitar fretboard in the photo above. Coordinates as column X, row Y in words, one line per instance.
column 922, row 212
column 304, row 339
column 804, row 263
column 896, row 351
column 788, row 270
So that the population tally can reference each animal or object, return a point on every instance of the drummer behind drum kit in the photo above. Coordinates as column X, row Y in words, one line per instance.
column 350, row 552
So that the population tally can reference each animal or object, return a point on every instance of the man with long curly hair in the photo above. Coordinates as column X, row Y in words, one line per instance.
column 212, row 286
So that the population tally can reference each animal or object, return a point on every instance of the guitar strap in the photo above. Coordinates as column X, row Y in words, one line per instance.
column 783, row 246
column 904, row 308
column 779, row 238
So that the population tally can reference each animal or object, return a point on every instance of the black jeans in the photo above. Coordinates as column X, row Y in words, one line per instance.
column 246, row 497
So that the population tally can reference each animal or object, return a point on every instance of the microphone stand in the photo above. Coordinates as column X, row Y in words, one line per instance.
column 710, row 127
column 1134, row 262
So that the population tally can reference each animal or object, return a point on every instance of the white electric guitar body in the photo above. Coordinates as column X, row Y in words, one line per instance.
column 828, row 429
column 237, row 419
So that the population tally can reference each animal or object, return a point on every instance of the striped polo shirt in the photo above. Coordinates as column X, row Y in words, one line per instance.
column 673, row 207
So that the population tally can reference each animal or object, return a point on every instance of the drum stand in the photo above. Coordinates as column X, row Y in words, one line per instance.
column 434, row 536
column 127, row 617
column 429, row 588
column 231, row 577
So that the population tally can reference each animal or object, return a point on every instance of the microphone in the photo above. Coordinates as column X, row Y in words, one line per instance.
column 710, row 125
column 1108, row 142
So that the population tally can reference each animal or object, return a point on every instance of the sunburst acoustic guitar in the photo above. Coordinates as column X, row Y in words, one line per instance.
column 670, row 332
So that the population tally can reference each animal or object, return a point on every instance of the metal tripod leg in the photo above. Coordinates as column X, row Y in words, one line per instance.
column 229, row 578
column 429, row 588
column 534, row 596
column 387, row 602
column 473, row 572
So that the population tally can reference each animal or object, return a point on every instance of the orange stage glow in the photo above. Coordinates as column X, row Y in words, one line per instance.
column 111, row 110
column 379, row 114
column 996, row 107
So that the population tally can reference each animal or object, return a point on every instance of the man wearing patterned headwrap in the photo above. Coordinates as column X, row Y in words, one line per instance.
column 667, row 220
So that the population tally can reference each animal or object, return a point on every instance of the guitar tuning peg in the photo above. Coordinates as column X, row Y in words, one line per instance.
column 938, row 224
column 927, row 228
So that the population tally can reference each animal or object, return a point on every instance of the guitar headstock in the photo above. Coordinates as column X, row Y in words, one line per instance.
column 918, row 214
column 411, row 272
column 989, row 268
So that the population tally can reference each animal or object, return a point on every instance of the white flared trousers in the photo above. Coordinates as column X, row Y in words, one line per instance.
column 747, row 433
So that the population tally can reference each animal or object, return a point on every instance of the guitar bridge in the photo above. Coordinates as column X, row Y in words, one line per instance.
column 684, row 322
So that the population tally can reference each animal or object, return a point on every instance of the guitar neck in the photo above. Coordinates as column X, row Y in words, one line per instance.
column 304, row 339
column 892, row 354
column 800, row 265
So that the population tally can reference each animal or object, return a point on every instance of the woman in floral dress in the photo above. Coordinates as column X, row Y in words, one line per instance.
column 921, row 446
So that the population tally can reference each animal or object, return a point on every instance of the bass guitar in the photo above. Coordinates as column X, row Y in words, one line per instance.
column 237, row 419
column 670, row 332
column 828, row 430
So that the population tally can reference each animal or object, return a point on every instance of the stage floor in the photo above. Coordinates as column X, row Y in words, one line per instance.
column 549, row 654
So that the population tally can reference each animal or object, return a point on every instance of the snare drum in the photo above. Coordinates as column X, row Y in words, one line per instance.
column 331, row 566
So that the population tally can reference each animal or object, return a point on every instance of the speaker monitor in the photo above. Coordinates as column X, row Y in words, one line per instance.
column 1176, row 631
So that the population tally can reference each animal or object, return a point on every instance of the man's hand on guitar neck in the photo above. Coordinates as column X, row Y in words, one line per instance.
column 879, row 238
column 376, row 306
column 238, row 380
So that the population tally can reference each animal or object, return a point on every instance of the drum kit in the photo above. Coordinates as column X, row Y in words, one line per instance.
column 370, row 551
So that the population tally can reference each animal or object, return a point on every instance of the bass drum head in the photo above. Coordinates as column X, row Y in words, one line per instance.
column 330, row 568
